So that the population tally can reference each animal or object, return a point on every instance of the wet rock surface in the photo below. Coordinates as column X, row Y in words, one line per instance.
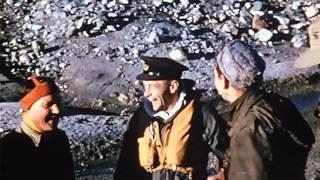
column 92, row 49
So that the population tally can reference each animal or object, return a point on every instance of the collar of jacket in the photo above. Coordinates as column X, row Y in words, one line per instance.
column 244, row 103
column 32, row 134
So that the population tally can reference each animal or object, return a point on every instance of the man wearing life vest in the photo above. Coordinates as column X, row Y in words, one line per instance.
column 311, row 58
column 171, row 134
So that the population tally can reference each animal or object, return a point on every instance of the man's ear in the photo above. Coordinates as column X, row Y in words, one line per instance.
column 222, row 78
column 226, row 82
column 174, row 86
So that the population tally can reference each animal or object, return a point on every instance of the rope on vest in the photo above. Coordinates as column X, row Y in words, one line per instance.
column 152, row 133
column 152, row 137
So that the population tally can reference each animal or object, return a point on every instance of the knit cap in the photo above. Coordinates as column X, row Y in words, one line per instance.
column 40, row 90
column 241, row 64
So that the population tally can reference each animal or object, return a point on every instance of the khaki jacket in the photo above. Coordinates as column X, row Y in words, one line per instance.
column 269, row 139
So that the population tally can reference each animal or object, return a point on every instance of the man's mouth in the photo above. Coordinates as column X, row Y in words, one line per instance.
column 52, row 117
column 152, row 100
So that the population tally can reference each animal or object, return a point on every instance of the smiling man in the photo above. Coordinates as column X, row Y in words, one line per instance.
column 37, row 149
column 170, row 136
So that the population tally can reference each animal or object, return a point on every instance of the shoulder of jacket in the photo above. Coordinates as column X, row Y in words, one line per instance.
column 209, row 115
column 137, row 117
column 139, row 110
column 274, row 99
column 7, row 135
column 60, row 132
column 264, row 112
column 205, row 107
column 268, row 101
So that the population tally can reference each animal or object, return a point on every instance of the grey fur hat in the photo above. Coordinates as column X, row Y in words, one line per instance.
column 241, row 64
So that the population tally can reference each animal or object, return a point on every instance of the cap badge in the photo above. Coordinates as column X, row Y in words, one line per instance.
column 146, row 67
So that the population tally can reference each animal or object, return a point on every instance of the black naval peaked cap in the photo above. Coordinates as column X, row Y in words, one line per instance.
column 160, row 68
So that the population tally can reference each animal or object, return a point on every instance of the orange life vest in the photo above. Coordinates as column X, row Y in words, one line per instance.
column 170, row 145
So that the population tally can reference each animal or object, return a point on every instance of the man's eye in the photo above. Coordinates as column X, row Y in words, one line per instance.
column 149, row 86
column 47, row 105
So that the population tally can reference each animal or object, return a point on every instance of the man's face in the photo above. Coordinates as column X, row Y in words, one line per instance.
column 158, row 93
column 44, row 113
column 219, row 83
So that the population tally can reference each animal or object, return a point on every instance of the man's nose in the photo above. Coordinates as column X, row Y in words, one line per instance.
column 146, row 92
column 55, row 109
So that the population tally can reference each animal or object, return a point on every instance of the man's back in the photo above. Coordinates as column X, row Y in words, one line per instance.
column 275, row 136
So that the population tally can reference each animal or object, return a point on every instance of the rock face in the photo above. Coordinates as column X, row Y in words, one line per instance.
column 9, row 90
column 92, row 47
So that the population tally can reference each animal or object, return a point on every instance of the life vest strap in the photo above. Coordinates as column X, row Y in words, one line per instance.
column 175, row 168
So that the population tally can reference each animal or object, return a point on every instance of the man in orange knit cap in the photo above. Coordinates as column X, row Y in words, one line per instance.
column 37, row 149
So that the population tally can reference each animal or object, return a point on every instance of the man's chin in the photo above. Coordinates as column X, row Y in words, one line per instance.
column 155, row 108
column 52, row 124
